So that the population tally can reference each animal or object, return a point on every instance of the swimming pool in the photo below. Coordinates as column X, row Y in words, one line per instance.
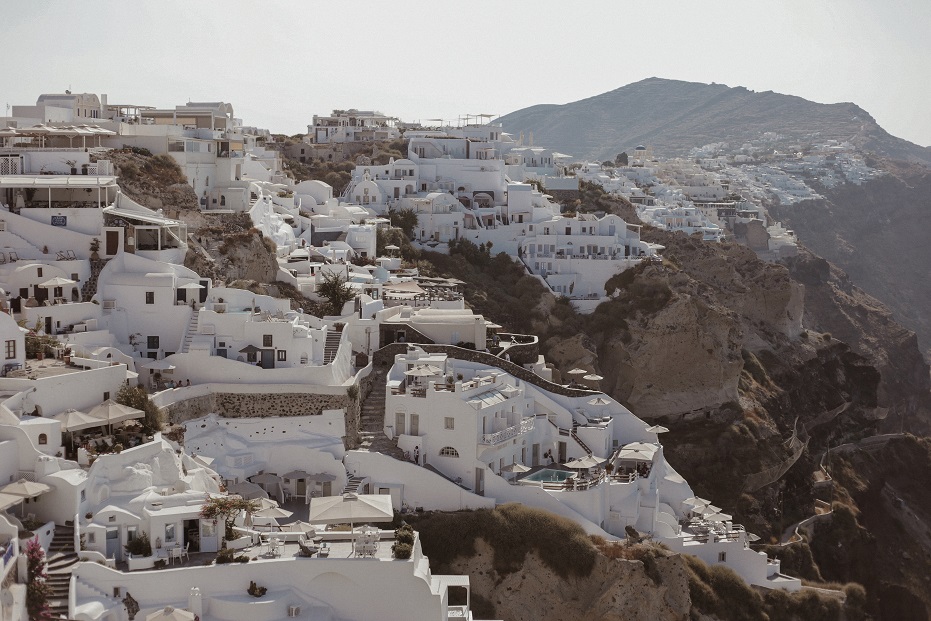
column 548, row 475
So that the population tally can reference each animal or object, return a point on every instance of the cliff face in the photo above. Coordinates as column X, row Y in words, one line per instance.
column 616, row 589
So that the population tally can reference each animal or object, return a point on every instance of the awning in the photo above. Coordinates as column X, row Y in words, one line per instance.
column 151, row 218
column 57, row 181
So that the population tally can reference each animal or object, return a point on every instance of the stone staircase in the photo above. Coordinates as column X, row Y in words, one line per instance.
column 574, row 436
column 331, row 346
column 372, row 423
column 89, row 288
column 190, row 332
column 60, row 560
column 352, row 485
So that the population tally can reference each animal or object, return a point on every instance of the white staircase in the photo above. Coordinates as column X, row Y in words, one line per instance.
column 190, row 331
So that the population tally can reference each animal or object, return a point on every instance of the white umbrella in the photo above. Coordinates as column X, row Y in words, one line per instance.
column 351, row 508
column 657, row 429
column 424, row 370
column 58, row 281
column 9, row 500
column 577, row 371
column 170, row 614
column 266, row 478
column 273, row 512
column 515, row 468
column 247, row 490
column 637, row 451
column 158, row 365
column 322, row 477
column 718, row 517
column 73, row 420
column 593, row 378
column 192, row 285
column 392, row 247
column 112, row 412
column 599, row 401
column 582, row 463
column 296, row 474
column 25, row 489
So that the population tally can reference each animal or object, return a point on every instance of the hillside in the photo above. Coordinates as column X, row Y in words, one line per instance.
column 674, row 116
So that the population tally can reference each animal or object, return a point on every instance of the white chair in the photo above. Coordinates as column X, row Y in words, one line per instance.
column 184, row 551
column 175, row 553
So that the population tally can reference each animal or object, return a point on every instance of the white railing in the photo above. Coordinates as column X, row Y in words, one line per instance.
column 524, row 426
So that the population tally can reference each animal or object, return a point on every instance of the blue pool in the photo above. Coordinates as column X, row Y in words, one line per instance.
column 548, row 475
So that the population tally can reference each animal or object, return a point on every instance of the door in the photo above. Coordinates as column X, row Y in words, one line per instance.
column 301, row 489
column 268, row 358
column 113, row 543
column 327, row 488
column 399, row 424
column 41, row 295
column 480, row 481
column 192, row 535
column 48, row 325
column 111, row 243
column 415, row 424
column 562, row 452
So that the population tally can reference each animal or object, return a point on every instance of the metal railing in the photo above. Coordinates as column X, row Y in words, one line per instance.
column 497, row 437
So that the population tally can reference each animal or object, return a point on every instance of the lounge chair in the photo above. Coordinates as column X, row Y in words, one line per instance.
column 306, row 548
column 61, row 255
column 13, row 257
column 71, row 255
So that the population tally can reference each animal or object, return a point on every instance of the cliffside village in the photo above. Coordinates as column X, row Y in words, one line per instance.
column 404, row 400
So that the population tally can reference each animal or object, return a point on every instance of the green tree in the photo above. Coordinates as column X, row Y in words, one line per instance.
column 404, row 219
column 226, row 508
column 336, row 293
column 621, row 159
column 136, row 397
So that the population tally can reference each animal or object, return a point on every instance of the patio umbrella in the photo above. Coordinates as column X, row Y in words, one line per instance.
column 247, row 490
column 296, row 474
column 158, row 365
column 515, row 468
column 577, row 371
column 74, row 420
column 266, row 478
column 599, row 401
column 112, row 412
column 657, row 429
column 191, row 285
column 9, row 500
column 424, row 370
column 582, row 463
column 351, row 508
column 637, row 451
column 272, row 514
column 25, row 489
column 322, row 477
column 593, row 378
column 58, row 281
column 392, row 247
column 718, row 517
column 698, row 504
column 170, row 614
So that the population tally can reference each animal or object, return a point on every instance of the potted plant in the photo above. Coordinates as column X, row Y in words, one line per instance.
column 73, row 165
column 84, row 168
column 95, row 246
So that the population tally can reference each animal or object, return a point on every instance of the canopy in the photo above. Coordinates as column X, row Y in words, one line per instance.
column 25, row 489
column 9, row 500
column 405, row 287
column 247, row 490
column 158, row 365
column 58, row 281
column 424, row 370
column 74, row 420
column 112, row 412
column 515, row 468
column 637, row 451
column 191, row 285
column 170, row 614
column 266, row 478
column 351, row 508
column 589, row 461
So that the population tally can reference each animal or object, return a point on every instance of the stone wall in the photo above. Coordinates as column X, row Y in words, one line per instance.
column 195, row 407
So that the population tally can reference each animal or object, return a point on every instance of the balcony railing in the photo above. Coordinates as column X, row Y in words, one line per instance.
column 524, row 426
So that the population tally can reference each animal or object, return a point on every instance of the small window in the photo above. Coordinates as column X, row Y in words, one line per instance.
column 282, row 355
column 150, row 297
column 449, row 422
column 169, row 532
column 106, row 396
column 267, row 340
column 83, row 495
column 91, row 537
column 152, row 342
column 39, row 272
column 74, row 276
column 448, row 451
column 43, row 439
column 10, row 349
column 722, row 557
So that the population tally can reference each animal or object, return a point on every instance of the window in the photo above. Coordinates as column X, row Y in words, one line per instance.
column 722, row 557
column 282, row 355
column 449, row 422
column 39, row 272
column 83, row 495
column 152, row 342
column 106, row 396
column 43, row 439
column 10, row 349
column 150, row 297
column 266, row 340
column 448, row 451
column 169, row 532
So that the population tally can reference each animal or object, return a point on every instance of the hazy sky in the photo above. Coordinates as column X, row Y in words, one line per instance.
column 279, row 63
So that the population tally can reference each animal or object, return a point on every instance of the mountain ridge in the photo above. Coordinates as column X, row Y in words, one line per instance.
column 674, row 116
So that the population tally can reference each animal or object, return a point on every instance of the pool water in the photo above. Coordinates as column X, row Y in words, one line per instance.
column 548, row 475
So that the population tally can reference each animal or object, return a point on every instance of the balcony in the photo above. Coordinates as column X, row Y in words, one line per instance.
column 525, row 426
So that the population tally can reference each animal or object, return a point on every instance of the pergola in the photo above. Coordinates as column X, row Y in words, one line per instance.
column 45, row 184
